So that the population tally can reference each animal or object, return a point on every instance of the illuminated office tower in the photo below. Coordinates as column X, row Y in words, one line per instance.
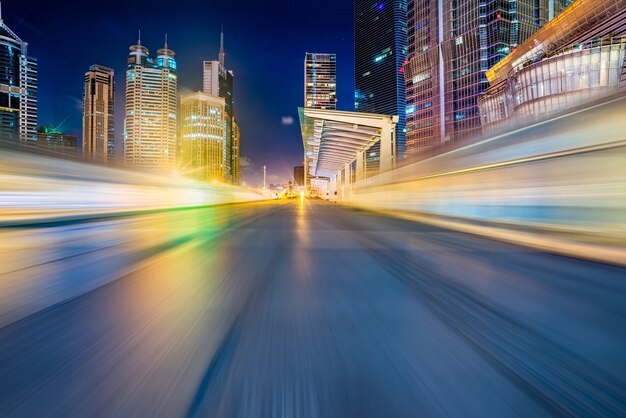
column 203, row 123
column 151, row 106
column 320, row 81
column 98, row 114
column 18, row 88
column 235, row 161
column 380, row 47
column 219, row 81
column 451, row 44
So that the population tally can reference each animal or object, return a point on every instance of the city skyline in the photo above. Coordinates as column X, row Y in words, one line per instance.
column 261, row 115
column 476, row 271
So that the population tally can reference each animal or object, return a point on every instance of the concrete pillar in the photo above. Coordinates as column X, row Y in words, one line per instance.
column 342, row 173
column 386, row 146
column 360, row 166
column 332, row 188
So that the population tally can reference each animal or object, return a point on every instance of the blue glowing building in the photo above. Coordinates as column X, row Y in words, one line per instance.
column 380, row 47
column 18, row 89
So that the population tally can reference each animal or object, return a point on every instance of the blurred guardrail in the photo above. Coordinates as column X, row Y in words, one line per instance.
column 564, row 178
column 35, row 187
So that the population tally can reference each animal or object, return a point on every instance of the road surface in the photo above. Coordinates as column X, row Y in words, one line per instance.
column 301, row 309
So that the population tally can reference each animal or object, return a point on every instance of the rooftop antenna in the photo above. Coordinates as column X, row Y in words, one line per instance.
column 166, row 41
column 221, row 57
column 139, row 40
column 1, row 22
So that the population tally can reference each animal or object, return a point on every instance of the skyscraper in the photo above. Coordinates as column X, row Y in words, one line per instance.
column 98, row 114
column 451, row 44
column 211, row 78
column 151, row 106
column 298, row 175
column 226, row 83
column 218, row 81
column 380, row 47
column 320, row 81
column 235, row 160
column 18, row 88
column 203, row 122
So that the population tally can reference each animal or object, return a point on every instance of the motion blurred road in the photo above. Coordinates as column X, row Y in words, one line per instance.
column 300, row 309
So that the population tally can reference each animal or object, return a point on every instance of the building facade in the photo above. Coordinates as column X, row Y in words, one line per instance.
column 576, row 58
column 210, row 79
column 203, row 125
column 150, row 127
column 50, row 139
column 18, row 89
column 320, row 81
column 298, row 175
column 451, row 45
column 380, row 48
column 98, row 114
column 235, row 157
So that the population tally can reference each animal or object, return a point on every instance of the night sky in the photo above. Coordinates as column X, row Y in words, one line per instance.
column 265, row 44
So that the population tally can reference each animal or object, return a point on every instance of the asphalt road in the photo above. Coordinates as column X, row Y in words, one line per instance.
column 301, row 309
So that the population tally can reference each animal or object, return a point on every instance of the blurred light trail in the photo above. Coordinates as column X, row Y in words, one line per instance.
column 565, row 177
column 301, row 308
column 38, row 186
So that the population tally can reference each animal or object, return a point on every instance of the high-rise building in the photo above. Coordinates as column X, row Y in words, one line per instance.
column 451, row 44
column 98, row 114
column 151, row 107
column 211, row 80
column 235, row 161
column 380, row 48
column 320, row 81
column 203, row 123
column 18, row 88
column 298, row 175
column 219, row 81
column 226, row 82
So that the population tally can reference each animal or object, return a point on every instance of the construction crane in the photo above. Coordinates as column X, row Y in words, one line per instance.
column 55, row 129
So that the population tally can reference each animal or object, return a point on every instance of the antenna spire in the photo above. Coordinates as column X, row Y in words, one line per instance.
column 139, row 40
column 166, row 41
column 222, row 54
column 222, row 39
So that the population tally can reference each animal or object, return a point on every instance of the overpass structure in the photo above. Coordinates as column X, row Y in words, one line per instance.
column 336, row 142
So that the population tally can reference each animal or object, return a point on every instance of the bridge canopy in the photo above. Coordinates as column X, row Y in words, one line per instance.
column 333, row 138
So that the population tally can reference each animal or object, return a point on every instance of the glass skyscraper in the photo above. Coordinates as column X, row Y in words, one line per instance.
column 380, row 47
column 150, row 128
column 18, row 89
column 320, row 81
column 451, row 44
